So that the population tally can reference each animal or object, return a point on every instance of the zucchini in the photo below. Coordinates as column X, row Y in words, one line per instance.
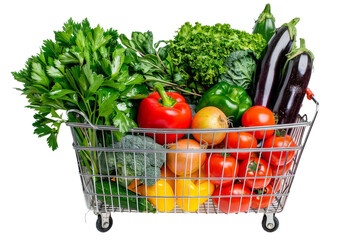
column 265, row 24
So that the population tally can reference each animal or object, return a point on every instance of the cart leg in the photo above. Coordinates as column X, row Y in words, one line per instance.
column 270, row 223
column 104, row 222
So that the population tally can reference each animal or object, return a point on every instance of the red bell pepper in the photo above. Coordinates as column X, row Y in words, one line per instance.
column 164, row 110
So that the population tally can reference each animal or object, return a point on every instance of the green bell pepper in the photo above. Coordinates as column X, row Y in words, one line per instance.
column 232, row 100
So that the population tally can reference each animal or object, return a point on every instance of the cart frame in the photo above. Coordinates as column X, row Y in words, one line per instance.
column 104, row 203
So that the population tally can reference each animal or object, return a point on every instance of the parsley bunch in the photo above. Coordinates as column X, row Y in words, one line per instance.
column 85, row 69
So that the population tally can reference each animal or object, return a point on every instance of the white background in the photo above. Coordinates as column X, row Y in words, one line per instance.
column 40, row 190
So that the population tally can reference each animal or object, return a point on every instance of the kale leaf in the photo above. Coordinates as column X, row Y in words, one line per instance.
column 241, row 67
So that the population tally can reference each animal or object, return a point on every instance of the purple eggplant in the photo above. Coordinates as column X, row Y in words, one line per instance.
column 268, row 77
column 295, row 80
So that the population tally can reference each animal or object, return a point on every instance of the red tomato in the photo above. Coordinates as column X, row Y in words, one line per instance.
column 279, row 157
column 258, row 168
column 235, row 203
column 259, row 116
column 219, row 165
column 241, row 140
column 261, row 200
column 276, row 184
column 279, row 170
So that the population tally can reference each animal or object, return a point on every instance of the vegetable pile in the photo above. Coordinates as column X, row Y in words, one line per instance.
column 206, row 77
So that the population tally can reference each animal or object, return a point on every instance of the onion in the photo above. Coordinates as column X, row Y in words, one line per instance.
column 209, row 118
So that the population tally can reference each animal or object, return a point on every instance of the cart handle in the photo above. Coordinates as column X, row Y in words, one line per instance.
column 83, row 115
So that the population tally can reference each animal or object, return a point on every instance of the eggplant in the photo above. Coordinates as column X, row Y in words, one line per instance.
column 265, row 24
column 268, row 76
column 295, row 80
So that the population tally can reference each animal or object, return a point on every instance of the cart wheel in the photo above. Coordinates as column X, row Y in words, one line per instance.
column 104, row 222
column 270, row 223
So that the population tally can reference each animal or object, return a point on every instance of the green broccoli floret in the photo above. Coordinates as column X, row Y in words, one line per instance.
column 138, row 165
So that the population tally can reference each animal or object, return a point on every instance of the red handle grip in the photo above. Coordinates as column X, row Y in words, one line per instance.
column 309, row 94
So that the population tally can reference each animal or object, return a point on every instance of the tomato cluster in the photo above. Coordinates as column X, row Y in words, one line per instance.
column 250, row 179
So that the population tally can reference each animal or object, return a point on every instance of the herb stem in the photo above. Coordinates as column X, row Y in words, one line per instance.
column 162, row 63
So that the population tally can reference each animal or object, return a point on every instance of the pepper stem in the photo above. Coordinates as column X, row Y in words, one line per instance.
column 167, row 101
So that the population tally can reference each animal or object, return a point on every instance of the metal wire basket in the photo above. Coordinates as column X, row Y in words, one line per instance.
column 107, row 164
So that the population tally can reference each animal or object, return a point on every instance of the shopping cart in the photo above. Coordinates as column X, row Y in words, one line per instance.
column 107, row 166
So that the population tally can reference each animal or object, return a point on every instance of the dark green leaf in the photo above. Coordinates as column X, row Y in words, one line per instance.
column 106, row 99
column 80, row 40
column 54, row 114
column 38, row 74
column 79, row 78
column 124, row 40
column 116, row 85
column 43, row 130
column 106, row 66
column 79, row 56
column 54, row 72
column 135, row 92
column 143, row 42
column 71, row 80
column 118, row 58
column 97, row 38
column 93, row 79
column 68, row 58
column 51, row 49
column 123, row 122
column 98, row 80
column 63, row 38
column 59, row 66
column 59, row 93
column 130, row 56
column 52, row 141
column 40, row 88
column 134, row 79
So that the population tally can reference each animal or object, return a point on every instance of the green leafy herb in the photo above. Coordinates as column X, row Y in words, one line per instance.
column 83, row 69
column 154, row 62
column 200, row 51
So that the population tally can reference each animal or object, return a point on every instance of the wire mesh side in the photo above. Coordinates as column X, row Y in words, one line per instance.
column 114, row 178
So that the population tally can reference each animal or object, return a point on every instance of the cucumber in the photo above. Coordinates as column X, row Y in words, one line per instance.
column 105, row 188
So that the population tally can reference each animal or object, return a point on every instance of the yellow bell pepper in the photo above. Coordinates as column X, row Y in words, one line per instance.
column 195, row 175
column 187, row 188
column 169, row 174
column 159, row 189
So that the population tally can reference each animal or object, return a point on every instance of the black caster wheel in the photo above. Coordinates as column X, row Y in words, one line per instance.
column 270, row 223
column 103, row 227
